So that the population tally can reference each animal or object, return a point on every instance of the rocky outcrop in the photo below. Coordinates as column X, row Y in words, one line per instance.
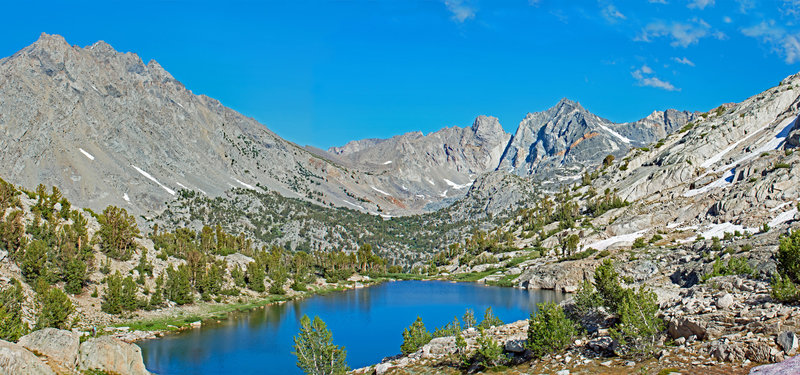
column 111, row 355
column 59, row 345
column 16, row 360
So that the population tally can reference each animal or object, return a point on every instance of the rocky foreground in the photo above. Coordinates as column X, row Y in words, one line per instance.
column 55, row 351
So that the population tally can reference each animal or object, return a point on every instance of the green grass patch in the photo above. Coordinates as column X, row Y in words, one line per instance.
column 472, row 276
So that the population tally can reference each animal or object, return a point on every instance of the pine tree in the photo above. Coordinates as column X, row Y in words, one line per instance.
column 34, row 260
column 112, row 295
column 54, row 307
column 177, row 287
column 489, row 319
column 11, row 300
column 414, row 337
column 255, row 276
column 117, row 233
column 315, row 351
column 469, row 319
column 75, row 276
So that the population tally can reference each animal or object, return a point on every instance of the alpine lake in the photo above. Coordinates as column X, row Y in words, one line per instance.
column 368, row 322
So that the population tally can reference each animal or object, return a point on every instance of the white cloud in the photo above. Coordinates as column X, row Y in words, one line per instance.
column 683, row 60
column 746, row 5
column 683, row 34
column 791, row 7
column 782, row 42
column 645, row 77
column 727, row 19
column 461, row 10
column 700, row 4
column 658, row 1
column 611, row 13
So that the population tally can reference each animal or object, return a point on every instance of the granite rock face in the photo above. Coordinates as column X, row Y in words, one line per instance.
column 60, row 345
column 16, row 360
column 112, row 356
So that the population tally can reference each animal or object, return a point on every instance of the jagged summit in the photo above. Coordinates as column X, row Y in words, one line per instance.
column 557, row 144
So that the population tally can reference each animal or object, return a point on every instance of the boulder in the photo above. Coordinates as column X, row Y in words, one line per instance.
column 788, row 341
column 685, row 327
column 382, row 368
column 758, row 352
column 439, row 346
column 604, row 346
column 58, row 344
column 515, row 346
column 725, row 301
column 108, row 354
column 789, row 366
column 728, row 352
column 16, row 360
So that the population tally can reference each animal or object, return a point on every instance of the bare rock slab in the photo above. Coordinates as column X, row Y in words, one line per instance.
column 16, row 360
column 111, row 355
column 58, row 344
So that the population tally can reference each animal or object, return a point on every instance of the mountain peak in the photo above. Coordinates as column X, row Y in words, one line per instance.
column 102, row 47
column 486, row 126
column 568, row 104
column 51, row 41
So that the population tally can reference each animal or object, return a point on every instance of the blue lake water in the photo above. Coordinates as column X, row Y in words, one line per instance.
column 368, row 322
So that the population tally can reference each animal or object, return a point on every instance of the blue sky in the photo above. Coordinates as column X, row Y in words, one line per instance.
column 325, row 72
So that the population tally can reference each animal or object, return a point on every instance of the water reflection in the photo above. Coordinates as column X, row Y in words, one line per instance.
column 369, row 322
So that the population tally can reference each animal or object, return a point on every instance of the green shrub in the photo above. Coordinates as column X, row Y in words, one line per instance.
column 784, row 283
column 549, row 330
column 450, row 329
column 734, row 266
column 607, row 283
column 639, row 323
column 414, row 337
column 639, row 243
column 490, row 352
column 783, row 289
column 789, row 256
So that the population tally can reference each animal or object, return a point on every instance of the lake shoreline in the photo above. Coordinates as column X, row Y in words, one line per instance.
column 179, row 319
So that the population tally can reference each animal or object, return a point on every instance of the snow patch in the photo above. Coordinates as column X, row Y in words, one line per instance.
column 783, row 217
column 603, row 244
column 674, row 225
column 181, row 185
column 431, row 182
column 620, row 136
column 88, row 155
column 719, row 230
column 457, row 186
column 151, row 178
column 420, row 196
column 444, row 194
column 251, row 187
column 352, row 204
column 380, row 191
column 387, row 162
column 126, row 198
